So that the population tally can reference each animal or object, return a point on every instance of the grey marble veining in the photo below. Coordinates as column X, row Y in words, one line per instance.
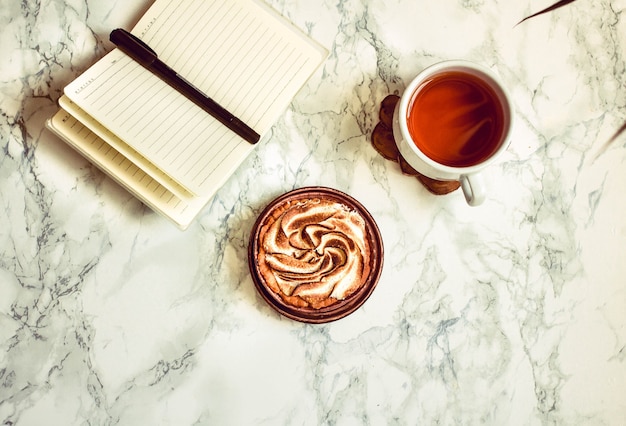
column 508, row 313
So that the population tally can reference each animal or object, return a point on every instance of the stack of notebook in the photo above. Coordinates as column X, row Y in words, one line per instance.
column 152, row 138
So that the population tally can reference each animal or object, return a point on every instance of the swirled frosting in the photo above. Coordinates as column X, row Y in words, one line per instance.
column 313, row 252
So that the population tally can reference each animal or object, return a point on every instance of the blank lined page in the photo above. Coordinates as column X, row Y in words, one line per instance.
column 180, row 209
column 170, row 131
column 239, row 53
column 121, row 147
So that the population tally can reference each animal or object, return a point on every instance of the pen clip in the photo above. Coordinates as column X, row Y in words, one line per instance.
column 133, row 46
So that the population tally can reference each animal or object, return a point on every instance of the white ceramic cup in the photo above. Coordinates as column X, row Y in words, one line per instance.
column 471, row 182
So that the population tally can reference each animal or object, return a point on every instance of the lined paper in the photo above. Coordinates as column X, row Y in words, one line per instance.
column 240, row 55
column 180, row 209
column 159, row 123
column 124, row 149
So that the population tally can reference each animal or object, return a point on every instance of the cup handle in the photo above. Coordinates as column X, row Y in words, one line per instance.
column 473, row 188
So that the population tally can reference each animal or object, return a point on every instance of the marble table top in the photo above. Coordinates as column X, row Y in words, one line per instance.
column 513, row 312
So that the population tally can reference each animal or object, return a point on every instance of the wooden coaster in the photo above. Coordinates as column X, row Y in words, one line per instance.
column 385, row 145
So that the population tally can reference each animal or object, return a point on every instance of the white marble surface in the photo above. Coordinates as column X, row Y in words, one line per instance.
column 512, row 313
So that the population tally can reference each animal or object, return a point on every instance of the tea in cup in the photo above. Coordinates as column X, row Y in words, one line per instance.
column 453, row 120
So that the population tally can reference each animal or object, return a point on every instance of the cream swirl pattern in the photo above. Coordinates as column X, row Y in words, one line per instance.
column 314, row 252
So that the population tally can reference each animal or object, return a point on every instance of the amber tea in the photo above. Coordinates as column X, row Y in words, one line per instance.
column 456, row 119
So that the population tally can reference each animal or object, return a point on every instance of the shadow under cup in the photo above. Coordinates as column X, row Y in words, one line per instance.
column 453, row 120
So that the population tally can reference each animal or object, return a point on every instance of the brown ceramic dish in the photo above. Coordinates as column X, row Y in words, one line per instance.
column 359, row 256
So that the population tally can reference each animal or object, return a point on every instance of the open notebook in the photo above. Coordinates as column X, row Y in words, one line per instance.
column 163, row 148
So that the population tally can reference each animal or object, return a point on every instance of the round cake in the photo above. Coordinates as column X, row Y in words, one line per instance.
column 315, row 254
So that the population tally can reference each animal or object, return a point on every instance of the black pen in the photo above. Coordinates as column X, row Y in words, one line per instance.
column 141, row 53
